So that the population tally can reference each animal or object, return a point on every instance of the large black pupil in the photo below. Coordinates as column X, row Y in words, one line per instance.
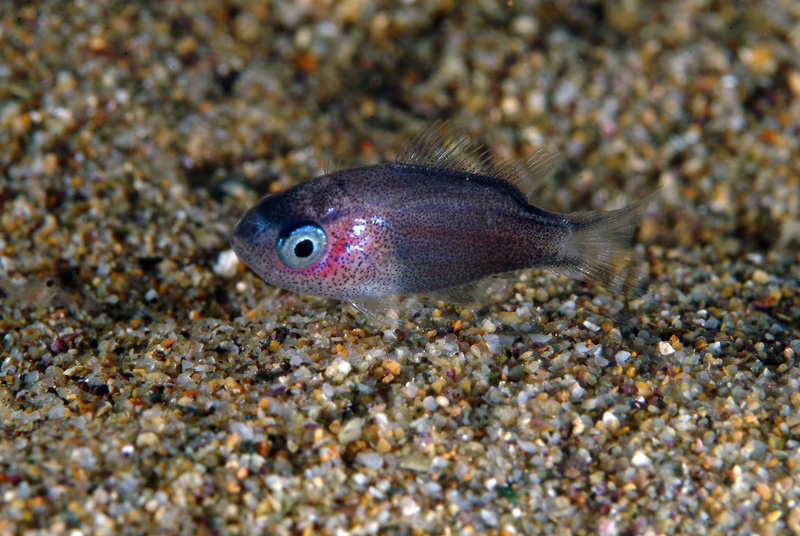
column 304, row 248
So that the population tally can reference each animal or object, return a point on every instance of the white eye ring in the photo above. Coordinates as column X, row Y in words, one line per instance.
column 302, row 246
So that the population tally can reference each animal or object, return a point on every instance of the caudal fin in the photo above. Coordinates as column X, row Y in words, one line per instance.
column 599, row 249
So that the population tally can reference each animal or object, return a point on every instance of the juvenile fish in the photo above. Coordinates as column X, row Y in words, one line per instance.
column 441, row 221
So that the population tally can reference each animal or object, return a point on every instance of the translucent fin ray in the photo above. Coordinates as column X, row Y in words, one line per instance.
column 599, row 249
column 332, row 165
column 468, row 293
column 380, row 309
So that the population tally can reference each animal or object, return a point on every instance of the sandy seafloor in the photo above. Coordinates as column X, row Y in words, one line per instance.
column 149, row 384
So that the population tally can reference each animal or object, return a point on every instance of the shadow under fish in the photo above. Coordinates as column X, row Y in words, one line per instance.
column 444, row 220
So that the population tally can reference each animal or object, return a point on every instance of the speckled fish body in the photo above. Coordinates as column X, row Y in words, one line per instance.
column 439, row 221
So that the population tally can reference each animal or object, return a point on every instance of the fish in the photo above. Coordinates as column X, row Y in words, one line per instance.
column 444, row 220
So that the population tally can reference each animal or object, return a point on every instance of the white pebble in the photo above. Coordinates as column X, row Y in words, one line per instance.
column 610, row 421
column 590, row 326
column 370, row 460
column 338, row 370
column 536, row 103
column 184, row 380
column 493, row 343
column 489, row 517
column 509, row 105
column 227, row 264
column 525, row 26
column 375, row 492
column 430, row 403
column 760, row 276
column 243, row 430
column 360, row 478
column 665, row 348
column 409, row 507
column 432, row 489
column 640, row 459
column 57, row 411
column 622, row 356
column 84, row 457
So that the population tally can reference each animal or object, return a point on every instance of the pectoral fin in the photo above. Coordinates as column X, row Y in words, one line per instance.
column 381, row 310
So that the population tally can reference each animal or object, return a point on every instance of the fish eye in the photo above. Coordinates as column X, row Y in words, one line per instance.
column 301, row 246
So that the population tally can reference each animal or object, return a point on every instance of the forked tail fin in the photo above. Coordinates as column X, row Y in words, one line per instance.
column 599, row 249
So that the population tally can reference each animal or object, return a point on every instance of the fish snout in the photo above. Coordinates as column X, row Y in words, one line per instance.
column 249, row 236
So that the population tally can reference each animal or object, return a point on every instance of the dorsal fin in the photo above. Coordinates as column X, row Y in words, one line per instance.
column 331, row 165
column 443, row 146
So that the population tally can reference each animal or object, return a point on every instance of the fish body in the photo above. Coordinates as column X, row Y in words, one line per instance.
column 441, row 220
